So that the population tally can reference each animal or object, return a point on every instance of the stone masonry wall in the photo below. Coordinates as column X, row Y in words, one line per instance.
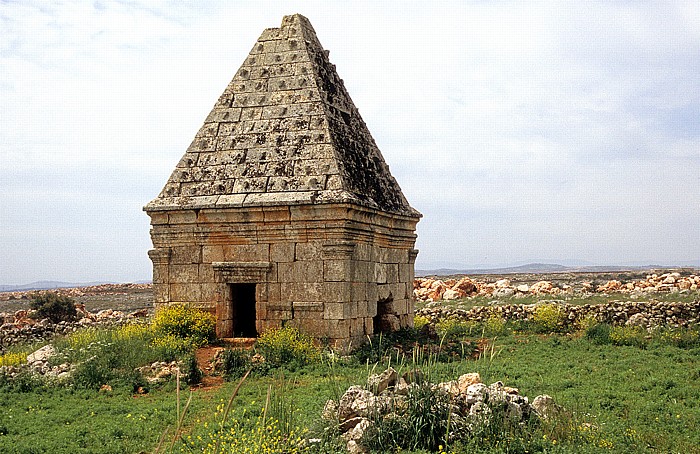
column 335, row 271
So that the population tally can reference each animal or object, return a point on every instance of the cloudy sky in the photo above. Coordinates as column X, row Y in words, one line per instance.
column 563, row 132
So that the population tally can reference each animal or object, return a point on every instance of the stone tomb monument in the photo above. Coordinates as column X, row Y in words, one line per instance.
column 282, row 210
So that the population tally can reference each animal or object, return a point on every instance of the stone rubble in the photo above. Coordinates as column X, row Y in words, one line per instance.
column 19, row 327
column 159, row 371
column 38, row 363
column 431, row 289
column 648, row 314
column 472, row 403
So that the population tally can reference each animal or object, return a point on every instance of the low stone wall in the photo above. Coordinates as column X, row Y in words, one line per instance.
column 643, row 313
column 19, row 328
column 433, row 289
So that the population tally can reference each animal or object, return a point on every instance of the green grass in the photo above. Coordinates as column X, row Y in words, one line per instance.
column 61, row 421
column 623, row 399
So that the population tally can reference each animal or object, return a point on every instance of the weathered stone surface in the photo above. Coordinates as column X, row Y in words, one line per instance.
column 283, row 187
column 470, row 409
column 275, row 135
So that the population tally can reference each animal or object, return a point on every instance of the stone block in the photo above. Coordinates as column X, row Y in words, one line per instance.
column 184, row 273
column 273, row 293
column 307, row 309
column 206, row 273
column 357, row 327
column 408, row 290
column 265, row 325
column 334, row 311
column 160, row 274
column 371, row 308
column 308, row 251
column 276, row 214
column 303, row 291
column 261, row 292
column 183, row 255
column 380, row 273
column 212, row 253
column 301, row 272
column 358, row 291
column 315, row 327
column 158, row 218
column 161, row 293
column 392, row 273
column 185, row 293
column 406, row 272
column 397, row 306
column 247, row 253
column 209, row 290
column 336, row 291
column 384, row 292
column 182, row 217
column 337, row 270
column 338, row 329
column 363, row 252
column 361, row 271
column 369, row 327
column 282, row 252
column 372, row 292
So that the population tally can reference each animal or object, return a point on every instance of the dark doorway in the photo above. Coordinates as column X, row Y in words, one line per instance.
column 382, row 321
column 243, row 310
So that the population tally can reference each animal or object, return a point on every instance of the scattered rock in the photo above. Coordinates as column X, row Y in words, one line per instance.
column 472, row 404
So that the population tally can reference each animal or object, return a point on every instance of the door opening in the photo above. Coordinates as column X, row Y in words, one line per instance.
column 243, row 310
column 382, row 321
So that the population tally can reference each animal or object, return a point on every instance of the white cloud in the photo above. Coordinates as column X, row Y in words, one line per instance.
column 521, row 130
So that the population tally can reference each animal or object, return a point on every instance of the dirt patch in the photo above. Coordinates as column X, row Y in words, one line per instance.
column 204, row 357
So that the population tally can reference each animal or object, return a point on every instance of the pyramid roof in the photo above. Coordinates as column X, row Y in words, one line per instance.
column 283, row 132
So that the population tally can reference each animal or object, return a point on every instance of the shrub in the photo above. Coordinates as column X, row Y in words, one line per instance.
column 420, row 321
column 23, row 382
column 108, row 355
column 629, row 335
column 494, row 326
column 53, row 306
column 679, row 337
column 82, row 338
column 422, row 425
column 193, row 374
column 13, row 359
column 234, row 363
column 453, row 329
column 170, row 346
column 586, row 323
column 599, row 333
column 287, row 345
column 548, row 318
column 93, row 373
column 184, row 322
column 264, row 436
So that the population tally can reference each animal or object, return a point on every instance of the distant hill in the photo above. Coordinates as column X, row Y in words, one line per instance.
column 46, row 285
column 537, row 268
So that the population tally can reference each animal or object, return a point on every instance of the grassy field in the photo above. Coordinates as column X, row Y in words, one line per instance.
column 624, row 391
column 634, row 400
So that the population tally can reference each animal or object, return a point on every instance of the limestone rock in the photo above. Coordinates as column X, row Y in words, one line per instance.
column 377, row 383
column 545, row 407
column 41, row 355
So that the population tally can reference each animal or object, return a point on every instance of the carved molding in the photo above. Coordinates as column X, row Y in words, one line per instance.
column 341, row 250
column 159, row 256
column 412, row 254
column 241, row 272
